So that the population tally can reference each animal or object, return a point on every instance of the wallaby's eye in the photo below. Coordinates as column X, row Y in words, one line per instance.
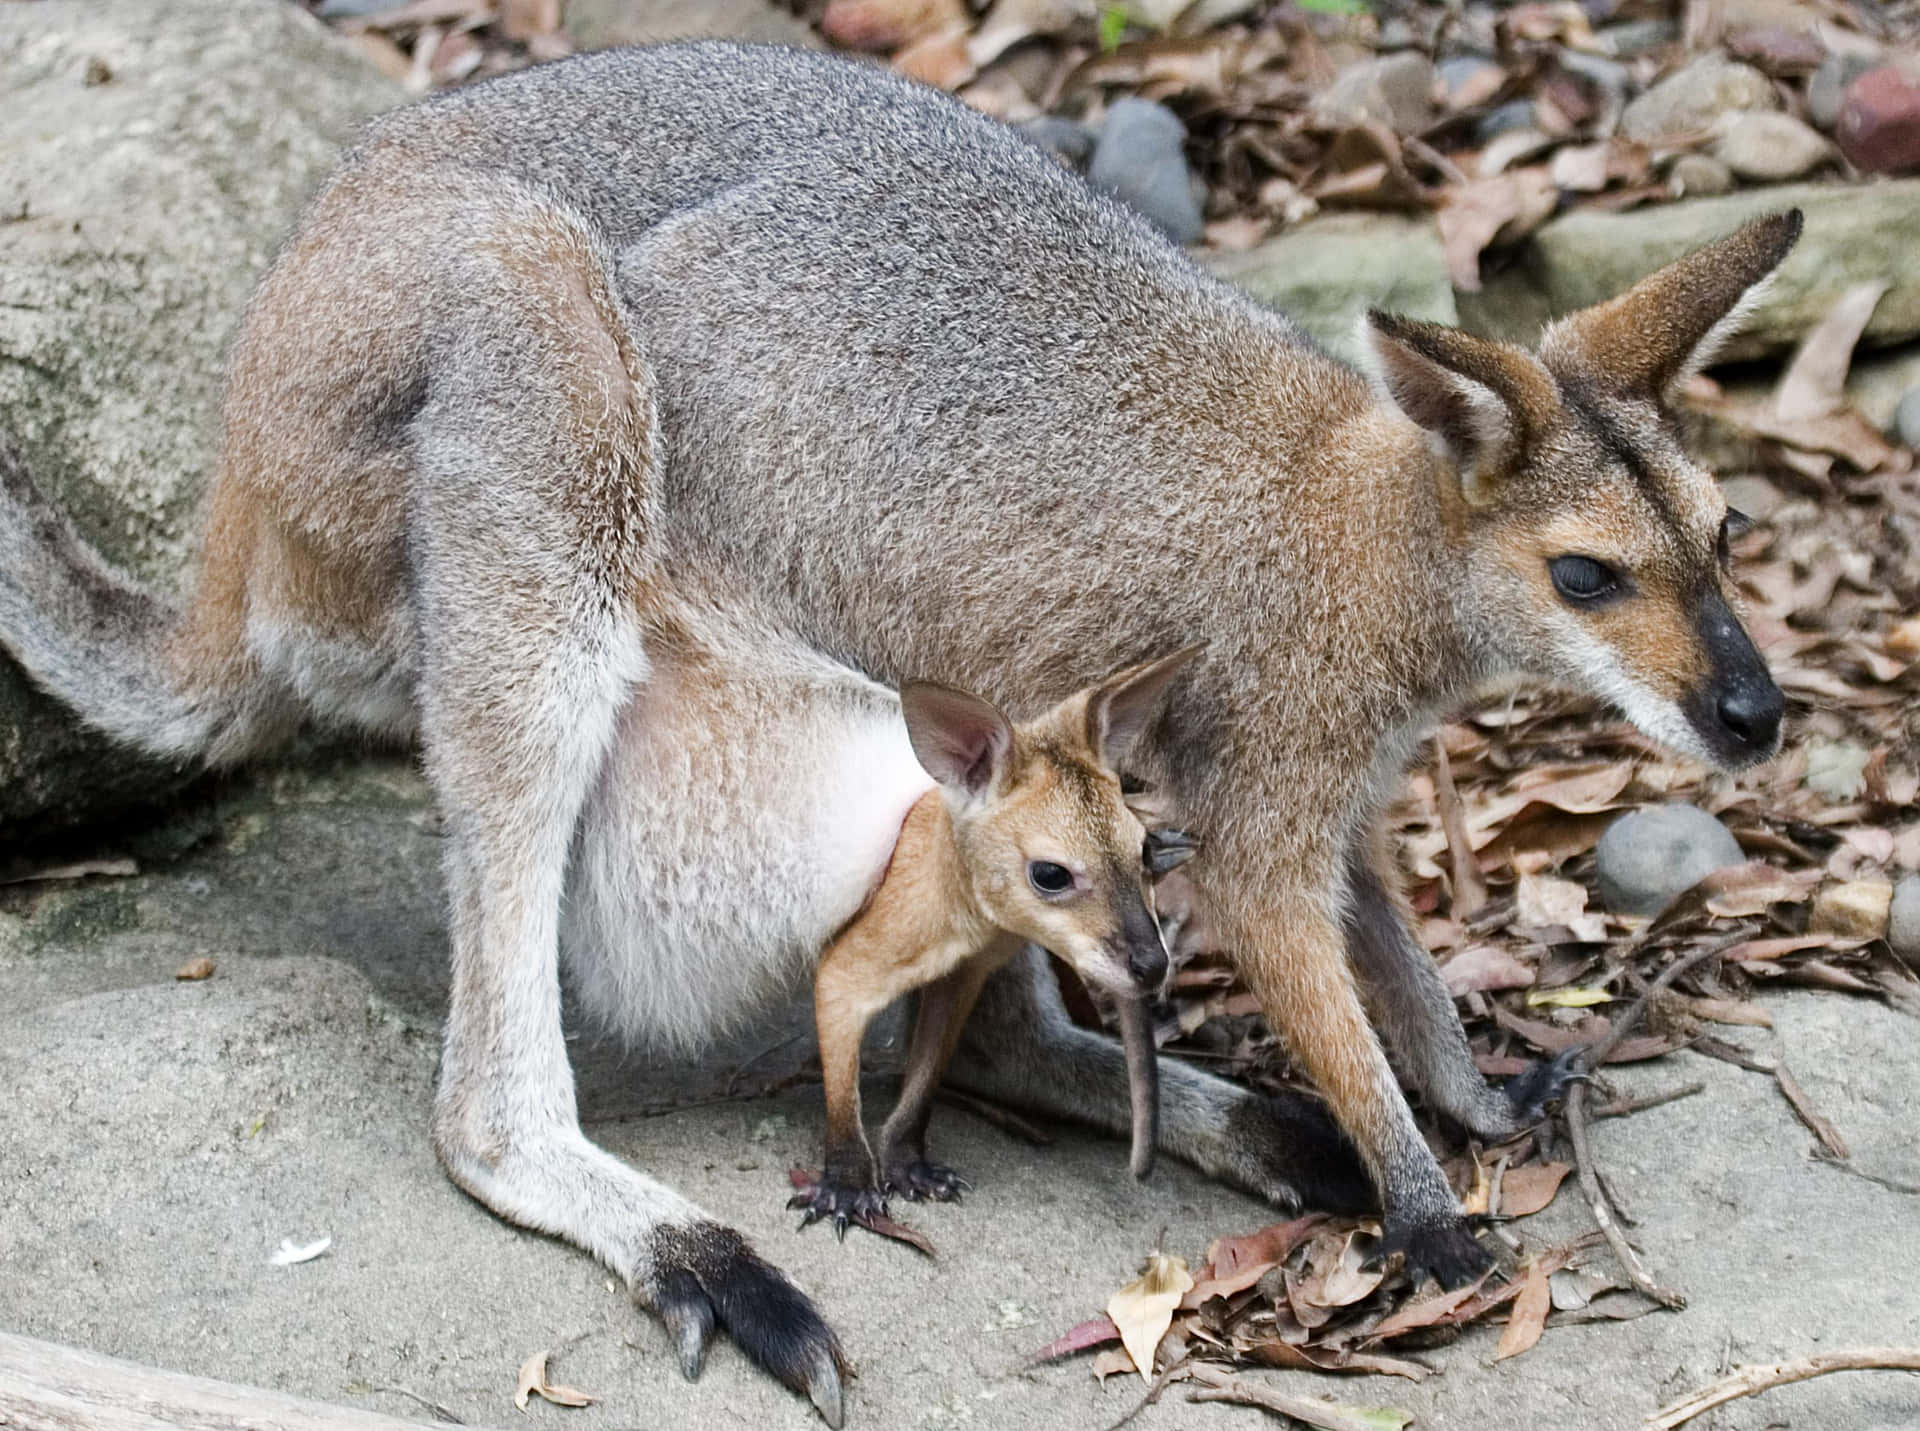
column 1049, row 878
column 1582, row 580
column 1736, row 525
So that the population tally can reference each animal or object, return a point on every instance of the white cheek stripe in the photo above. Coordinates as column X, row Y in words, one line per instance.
column 1601, row 672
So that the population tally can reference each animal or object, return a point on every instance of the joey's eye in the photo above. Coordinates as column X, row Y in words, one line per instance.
column 1582, row 580
column 1049, row 878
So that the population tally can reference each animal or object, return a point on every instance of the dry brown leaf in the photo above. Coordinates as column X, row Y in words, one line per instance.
column 1236, row 1263
column 1803, row 1108
column 1095, row 1331
column 1814, row 384
column 1529, row 1316
column 1415, row 1316
column 194, row 970
column 1469, row 889
column 1501, row 209
column 533, row 1381
column 1114, row 1361
column 1143, row 1309
column 1525, row 1191
column 1482, row 969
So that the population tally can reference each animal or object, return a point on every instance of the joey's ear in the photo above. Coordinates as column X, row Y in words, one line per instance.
column 1483, row 402
column 962, row 741
column 1120, row 706
column 1668, row 326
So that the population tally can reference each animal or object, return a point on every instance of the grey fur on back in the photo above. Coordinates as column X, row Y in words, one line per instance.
column 866, row 306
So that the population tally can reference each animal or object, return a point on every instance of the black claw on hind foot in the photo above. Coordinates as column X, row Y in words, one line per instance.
column 1530, row 1091
column 706, row 1276
column 1444, row 1248
column 831, row 1199
column 920, row 1180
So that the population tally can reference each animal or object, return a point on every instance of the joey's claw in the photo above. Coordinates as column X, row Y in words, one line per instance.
column 920, row 1180
column 1443, row 1247
column 1530, row 1091
column 840, row 1202
column 706, row 1276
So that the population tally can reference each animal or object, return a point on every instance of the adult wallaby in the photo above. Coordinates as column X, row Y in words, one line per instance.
column 825, row 358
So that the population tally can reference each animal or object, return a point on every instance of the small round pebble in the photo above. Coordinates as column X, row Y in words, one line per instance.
column 1139, row 159
column 1651, row 856
column 1906, row 418
column 1903, row 921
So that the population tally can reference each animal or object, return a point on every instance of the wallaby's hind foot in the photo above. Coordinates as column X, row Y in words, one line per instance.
column 1534, row 1088
column 706, row 1276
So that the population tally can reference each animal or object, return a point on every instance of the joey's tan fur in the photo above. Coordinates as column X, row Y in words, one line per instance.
column 861, row 388
column 959, row 900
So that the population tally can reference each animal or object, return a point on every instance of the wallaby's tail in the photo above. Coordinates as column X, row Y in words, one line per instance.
column 90, row 635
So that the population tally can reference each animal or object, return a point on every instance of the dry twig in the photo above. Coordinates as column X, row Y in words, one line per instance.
column 1747, row 1380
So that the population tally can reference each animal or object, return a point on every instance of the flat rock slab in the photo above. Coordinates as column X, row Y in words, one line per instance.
column 162, row 1138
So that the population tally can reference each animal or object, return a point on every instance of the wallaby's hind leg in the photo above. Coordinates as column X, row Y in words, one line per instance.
column 1021, row 1046
column 533, row 469
column 1415, row 1015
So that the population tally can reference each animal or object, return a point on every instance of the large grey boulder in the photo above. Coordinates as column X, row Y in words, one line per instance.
column 151, row 159
column 1326, row 273
column 1855, row 233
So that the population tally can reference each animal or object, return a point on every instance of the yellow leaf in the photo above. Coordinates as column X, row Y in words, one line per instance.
column 1143, row 1309
column 1574, row 998
column 533, row 1379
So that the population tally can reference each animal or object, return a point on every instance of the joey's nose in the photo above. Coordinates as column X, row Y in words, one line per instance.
column 1752, row 711
column 1148, row 965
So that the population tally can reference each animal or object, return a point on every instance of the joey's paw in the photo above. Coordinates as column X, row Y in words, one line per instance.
column 1442, row 1247
column 1542, row 1083
column 704, row 1275
column 838, row 1200
column 918, row 1180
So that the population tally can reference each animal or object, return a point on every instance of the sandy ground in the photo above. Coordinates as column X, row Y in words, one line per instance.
column 161, row 1138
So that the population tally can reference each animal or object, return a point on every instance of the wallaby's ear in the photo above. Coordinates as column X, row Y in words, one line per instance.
column 1668, row 326
column 1120, row 706
column 962, row 741
column 1483, row 402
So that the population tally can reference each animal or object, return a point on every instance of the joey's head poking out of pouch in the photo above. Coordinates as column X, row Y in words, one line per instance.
column 1048, row 846
column 1595, row 553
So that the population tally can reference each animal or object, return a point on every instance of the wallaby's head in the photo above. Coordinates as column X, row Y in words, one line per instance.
column 1595, row 551
column 1048, row 847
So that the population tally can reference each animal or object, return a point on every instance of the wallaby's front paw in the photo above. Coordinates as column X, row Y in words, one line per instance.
column 1443, row 1247
column 1541, row 1083
column 839, row 1200
column 704, row 1275
column 918, row 1180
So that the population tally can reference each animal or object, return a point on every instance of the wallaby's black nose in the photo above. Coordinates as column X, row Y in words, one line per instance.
column 1752, row 711
column 1148, row 965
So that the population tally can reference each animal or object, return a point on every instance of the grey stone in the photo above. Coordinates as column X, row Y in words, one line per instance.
column 1700, row 175
column 1827, row 86
column 599, row 24
column 1633, row 38
column 1903, row 920
column 1854, row 234
column 1768, row 146
column 1755, row 496
column 1394, row 90
column 1906, row 418
column 1464, row 74
column 161, row 1139
column 1650, row 856
column 139, row 213
column 1689, row 100
column 1327, row 272
column 1139, row 159
column 1066, row 139
column 1515, row 114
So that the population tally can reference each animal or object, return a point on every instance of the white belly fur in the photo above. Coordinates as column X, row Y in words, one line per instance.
column 738, row 823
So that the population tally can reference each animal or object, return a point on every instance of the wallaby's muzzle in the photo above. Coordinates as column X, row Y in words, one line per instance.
column 1737, row 711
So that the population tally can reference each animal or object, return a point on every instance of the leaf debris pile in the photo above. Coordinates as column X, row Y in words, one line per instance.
column 1492, row 118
